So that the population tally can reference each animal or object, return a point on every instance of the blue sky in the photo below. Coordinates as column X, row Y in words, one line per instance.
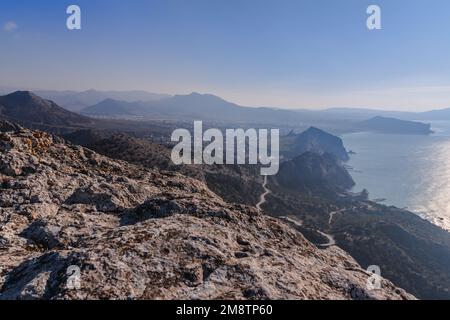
column 284, row 53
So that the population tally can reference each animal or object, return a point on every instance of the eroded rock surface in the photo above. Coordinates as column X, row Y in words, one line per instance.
column 142, row 234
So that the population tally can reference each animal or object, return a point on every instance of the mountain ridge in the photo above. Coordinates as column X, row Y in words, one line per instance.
column 211, row 108
column 27, row 107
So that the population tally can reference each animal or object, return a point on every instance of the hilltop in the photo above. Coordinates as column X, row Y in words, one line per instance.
column 29, row 109
column 314, row 140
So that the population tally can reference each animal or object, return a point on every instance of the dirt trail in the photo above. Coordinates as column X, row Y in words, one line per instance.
column 294, row 220
column 263, row 196
column 332, row 215
column 331, row 241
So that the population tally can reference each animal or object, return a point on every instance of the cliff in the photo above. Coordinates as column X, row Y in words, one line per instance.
column 313, row 140
column 314, row 173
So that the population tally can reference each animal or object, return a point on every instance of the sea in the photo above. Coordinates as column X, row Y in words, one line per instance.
column 406, row 171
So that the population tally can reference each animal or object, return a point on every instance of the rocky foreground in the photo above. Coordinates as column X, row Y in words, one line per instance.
column 143, row 234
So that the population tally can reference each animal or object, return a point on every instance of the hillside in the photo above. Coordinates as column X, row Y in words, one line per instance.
column 309, row 173
column 412, row 252
column 137, row 233
column 30, row 109
column 110, row 108
column 314, row 174
column 240, row 184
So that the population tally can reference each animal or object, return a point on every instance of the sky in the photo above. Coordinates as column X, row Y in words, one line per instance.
column 282, row 53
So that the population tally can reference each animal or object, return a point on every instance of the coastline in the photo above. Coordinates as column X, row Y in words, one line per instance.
column 408, row 172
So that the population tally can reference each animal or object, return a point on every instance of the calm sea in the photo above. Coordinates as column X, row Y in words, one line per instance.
column 407, row 171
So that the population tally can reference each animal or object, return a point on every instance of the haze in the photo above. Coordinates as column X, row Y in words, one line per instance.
column 291, row 53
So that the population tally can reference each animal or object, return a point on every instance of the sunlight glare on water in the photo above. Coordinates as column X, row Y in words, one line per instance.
column 408, row 171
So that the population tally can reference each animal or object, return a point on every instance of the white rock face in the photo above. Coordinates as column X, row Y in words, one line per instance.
column 142, row 234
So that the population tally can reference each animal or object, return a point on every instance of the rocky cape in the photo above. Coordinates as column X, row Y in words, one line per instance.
column 138, row 233
column 313, row 140
column 393, row 126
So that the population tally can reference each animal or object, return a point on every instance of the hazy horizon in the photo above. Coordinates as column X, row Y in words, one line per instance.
column 294, row 54
column 9, row 89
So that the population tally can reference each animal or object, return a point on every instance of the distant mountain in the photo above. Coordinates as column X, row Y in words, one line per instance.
column 27, row 108
column 110, row 108
column 392, row 125
column 194, row 105
column 314, row 140
column 211, row 108
column 362, row 114
column 200, row 104
column 76, row 101
column 443, row 114
column 197, row 106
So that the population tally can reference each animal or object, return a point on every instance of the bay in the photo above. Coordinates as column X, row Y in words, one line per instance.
column 407, row 171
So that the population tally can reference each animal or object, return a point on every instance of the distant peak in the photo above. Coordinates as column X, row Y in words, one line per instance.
column 380, row 118
column 22, row 94
column 109, row 100
column 314, row 129
column 203, row 95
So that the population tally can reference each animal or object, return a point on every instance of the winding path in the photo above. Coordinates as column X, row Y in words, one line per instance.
column 332, row 215
column 331, row 241
column 262, row 198
column 295, row 221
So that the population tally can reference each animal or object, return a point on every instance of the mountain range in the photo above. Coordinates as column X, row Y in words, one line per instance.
column 77, row 100
column 194, row 106
column 102, row 185
column 140, row 105
column 211, row 108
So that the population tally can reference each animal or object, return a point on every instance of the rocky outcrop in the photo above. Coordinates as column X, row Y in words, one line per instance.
column 135, row 233
column 233, row 183
column 314, row 140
